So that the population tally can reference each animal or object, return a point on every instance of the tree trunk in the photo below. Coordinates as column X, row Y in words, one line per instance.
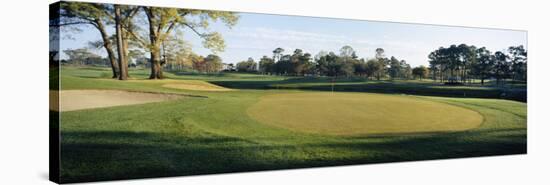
column 122, row 62
column 156, row 67
column 125, row 51
column 441, row 75
column 108, row 46
column 463, row 75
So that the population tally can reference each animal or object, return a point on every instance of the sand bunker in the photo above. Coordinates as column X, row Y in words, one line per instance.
column 70, row 100
column 196, row 86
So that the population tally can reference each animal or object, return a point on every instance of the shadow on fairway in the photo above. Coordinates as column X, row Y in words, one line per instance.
column 387, row 87
column 110, row 155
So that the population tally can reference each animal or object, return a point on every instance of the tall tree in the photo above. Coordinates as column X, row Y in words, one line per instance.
column 213, row 63
column 518, row 57
column 247, row 66
column 382, row 61
column 436, row 61
column 198, row 63
column 421, row 72
column 320, row 54
column 328, row 64
column 395, row 68
column 502, row 67
column 122, row 61
column 124, row 21
column 163, row 21
column 347, row 52
column 484, row 64
column 360, row 68
column 406, row 70
column 299, row 61
column 453, row 63
column 379, row 53
column 267, row 65
column 277, row 54
column 452, row 56
column 177, row 53
column 374, row 68
column 95, row 14
column 467, row 56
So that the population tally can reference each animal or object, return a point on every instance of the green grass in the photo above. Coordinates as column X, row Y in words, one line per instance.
column 515, row 91
column 360, row 113
column 212, row 133
column 411, row 87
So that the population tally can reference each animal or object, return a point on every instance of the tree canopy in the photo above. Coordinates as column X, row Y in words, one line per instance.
column 463, row 63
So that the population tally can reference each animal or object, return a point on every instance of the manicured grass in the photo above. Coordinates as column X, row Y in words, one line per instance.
column 411, row 87
column 360, row 113
column 195, row 85
column 514, row 91
column 211, row 132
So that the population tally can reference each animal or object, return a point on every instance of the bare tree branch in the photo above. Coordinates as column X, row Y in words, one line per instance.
column 70, row 23
column 195, row 30
column 132, row 14
column 140, row 41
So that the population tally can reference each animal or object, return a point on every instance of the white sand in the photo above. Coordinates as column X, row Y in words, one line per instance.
column 70, row 100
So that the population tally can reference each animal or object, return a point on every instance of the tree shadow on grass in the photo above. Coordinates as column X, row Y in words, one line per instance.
column 111, row 155
column 387, row 87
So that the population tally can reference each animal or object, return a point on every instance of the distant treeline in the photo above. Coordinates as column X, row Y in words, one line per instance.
column 463, row 63
column 454, row 64
column 344, row 64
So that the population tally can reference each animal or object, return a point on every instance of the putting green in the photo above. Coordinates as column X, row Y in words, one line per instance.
column 360, row 113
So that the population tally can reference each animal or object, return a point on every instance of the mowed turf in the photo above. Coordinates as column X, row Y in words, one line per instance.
column 212, row 132
column 196, row 85
column 360, row 113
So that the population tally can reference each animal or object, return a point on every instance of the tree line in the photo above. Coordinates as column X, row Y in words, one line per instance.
column 454, row 64
column 181, row 60
column 145, row 28
column 344, row 64
column 464, row 63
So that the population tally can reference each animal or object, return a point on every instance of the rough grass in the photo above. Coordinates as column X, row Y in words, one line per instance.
column 211, row 133
column 360, row 113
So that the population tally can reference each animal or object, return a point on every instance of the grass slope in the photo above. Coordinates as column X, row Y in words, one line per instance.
column 211, row 133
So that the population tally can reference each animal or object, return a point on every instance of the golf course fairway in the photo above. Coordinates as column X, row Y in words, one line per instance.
column 191, row 124
column 360, row 113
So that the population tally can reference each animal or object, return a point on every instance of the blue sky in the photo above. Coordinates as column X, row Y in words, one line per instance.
column 256, row 35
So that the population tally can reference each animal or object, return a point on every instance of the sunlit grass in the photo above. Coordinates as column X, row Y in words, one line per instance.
column 211, row 132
